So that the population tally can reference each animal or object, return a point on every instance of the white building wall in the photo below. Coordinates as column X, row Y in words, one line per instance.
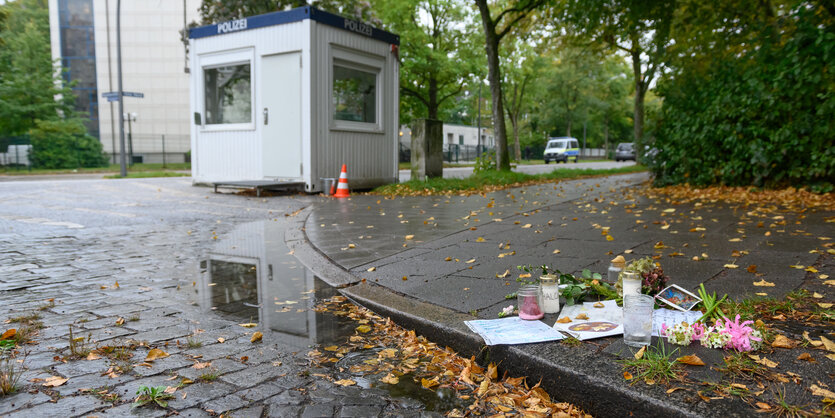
column 153, row 63
column 452, row 135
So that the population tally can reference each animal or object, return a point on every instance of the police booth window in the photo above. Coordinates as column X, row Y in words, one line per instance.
column 354, row 94
column 228, row 94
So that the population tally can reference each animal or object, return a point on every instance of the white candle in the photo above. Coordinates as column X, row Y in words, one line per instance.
column 631, row 283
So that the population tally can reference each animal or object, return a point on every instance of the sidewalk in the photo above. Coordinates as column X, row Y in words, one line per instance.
column 397, row 267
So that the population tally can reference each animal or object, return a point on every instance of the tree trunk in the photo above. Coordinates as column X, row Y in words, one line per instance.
column 432, row 106
column 640, row 92
column 568, row 125
column 494, row 76
column 606, row 134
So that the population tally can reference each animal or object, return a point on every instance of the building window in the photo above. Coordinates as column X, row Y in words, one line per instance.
column 228, row 91
column 354, row 95
column 449, row 139
column 460, row 139
column 78, row 57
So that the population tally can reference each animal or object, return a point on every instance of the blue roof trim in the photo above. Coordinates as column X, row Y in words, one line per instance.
column 294, row 15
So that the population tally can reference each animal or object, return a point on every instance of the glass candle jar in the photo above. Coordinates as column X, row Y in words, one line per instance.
column 631, row 283
column 615, row 268
column 528, row 300
column 550, row 294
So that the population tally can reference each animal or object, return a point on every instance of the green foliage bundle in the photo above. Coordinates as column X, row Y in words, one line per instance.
column 64, row 143
column 757, row 113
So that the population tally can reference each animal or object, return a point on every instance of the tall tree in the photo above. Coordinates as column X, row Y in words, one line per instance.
column 29, row 81
column 638, row 28
column 508, row 14
column 521, row 67
column 435, row 53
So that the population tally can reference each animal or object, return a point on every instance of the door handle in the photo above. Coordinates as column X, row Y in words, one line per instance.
column 266, row 115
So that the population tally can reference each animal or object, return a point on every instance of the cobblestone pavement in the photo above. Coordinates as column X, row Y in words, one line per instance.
column 90, row 255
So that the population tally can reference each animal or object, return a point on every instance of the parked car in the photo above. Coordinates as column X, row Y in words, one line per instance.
column 625, row 151
column 561, row 149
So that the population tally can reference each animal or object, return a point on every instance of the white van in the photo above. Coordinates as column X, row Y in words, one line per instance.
column 561, row 149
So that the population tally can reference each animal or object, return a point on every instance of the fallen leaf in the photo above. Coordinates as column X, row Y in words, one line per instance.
column 155, row 353
column 764, row 361
column 527, row 226
column 828, row 344
column 564, row 320
column 503, row 275
column 816, row 390
column 448, row 259
column 735, row 240
column 806, row 356
column 582, row 316
column 731, row 266
column 221, row 340
column 556, row 252
column 409, row 237
column 492, row 371
column 249, row 325
column 93, row 356
column 364, row 328
column 763, row 405
column 692, row 360
column 627, row 375
column 670, row 210
column 428, row 384
column 824, row 305
column 170, row 389
column 120, row 321
column 370, row 269
column 640, row 353
column 470, row 261
column 524, row 275
column 781, row 341
column 671, row 390
column 599, row 305
column 54, row 381
column 200, row 365
column 480, row 239
column 752, row 268
column 610, row 238
column 482, row 388
column 345, row 382
column 256, row 337
column 9, row 334
column 763, row 283
column 390, row 379
column 817, row 295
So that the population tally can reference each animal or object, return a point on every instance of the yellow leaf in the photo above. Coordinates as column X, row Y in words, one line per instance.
column 120, row 321
column 781, row 341
column 731, row 266
column 824, row 305
column 692, row 360
column 524, row 275
column 817, row 295
column 470, row 261
column 627, row 252
column 763, row 283
column 811, row 269
column 763, row 405
column 627, row 375
column 556, row 252
column 428, row 384
column 370, row 269
column 390, row 379
column 671, row 390
column 480, row 239
column 564, row 320
column 54, row 381
column 93, row 356
column 200, row 365
column 503, row 275
column 345, row 382
column 155, row 353
column 735, row 240
column 526, row 226
column 364, row 328
column 448, row 259
column 640, row 353
column 610, row 238
column 492, row 371
column 670, row 210
column 482, row 388
column 409, row 237
column 582, row 316
column 828, row 344
column 249, row 325
column 823, row 276
column 256, row 337
column 221, row 340
column 819, row 391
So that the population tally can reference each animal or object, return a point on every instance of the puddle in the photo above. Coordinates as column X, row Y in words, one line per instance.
column 251, row 276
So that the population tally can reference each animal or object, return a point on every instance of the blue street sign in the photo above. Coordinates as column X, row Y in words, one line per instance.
column 113, row 96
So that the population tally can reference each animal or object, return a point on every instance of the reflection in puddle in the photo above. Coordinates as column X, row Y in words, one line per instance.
column 251, row 276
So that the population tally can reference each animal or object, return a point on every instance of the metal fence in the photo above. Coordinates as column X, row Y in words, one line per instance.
column 453, row 153
column 152, row 148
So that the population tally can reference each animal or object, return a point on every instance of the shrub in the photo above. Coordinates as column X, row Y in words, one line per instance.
column 64, row 143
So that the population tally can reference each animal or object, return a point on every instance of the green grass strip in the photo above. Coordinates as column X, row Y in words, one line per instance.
column 494, row 180
column 148, row 174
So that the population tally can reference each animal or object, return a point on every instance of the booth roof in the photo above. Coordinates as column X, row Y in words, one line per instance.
column 294, row 15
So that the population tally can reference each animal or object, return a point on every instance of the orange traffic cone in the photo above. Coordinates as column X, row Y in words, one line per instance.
column 342, row 187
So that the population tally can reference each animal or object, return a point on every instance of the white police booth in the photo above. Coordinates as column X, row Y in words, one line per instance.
column 286, row 98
